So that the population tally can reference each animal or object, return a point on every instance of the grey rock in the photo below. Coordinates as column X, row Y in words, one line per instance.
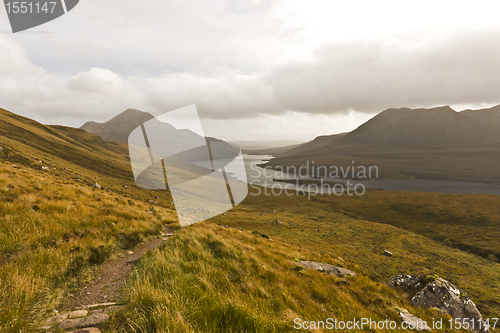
column 84, row 322
column 77, row 314
column 44, row 168
column 56, row 319
column 96, row 311
column 114, row 308
column 414, row 322
column 431, row 291
column 98, row 305
column 406, row 282
column 450, row 299
column 96, row 185
column 87, row 330
column 387, row 253
column 343, row 283
column 327, row 268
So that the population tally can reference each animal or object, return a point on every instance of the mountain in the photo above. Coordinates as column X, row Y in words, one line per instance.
column 118, row 128
column 434, row 128
column 437, row 143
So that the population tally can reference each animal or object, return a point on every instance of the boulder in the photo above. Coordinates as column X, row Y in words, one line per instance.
column 327, row 268
column 432, row 291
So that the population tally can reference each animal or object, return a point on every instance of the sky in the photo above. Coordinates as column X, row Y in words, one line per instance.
column 255, row 69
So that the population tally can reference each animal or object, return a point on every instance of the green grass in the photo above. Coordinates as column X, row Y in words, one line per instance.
column 56, row 230
column 212, row 279
column 53, row 234
column 319, row 225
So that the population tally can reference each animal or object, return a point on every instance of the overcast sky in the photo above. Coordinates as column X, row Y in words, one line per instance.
column 255, row 69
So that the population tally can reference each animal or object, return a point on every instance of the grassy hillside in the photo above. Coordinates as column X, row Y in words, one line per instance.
column 214, row 279
column 57, row 229
column 323, row 225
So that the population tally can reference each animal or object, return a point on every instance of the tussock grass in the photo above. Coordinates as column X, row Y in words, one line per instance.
column 53, row 236
column 212, row 279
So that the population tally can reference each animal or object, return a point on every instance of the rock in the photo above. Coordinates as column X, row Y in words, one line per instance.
column 44, row 168
column 343, row 283
column 87, row 330
column 432, row 291
column 77, row 314
column 327, row 268
column 86, row 307
column 96, row 185
column 1, row 149
column 264, row 236
column 125, row 186
column 84, row 322
column 413, row 322
column 278, row 221
column 114, row 308
column 387, row 253
column 405, row 282
column 96, row 311
column 56, row 319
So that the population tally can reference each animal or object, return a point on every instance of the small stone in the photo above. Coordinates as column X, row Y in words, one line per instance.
column 86, row 307
column 278, row 221
column 130, row 252
column 387, row 253
column 44, row 168
column 326, row 268
column 125, row 186
column 414, row 322
column 84, row 322
column 78, row 313
column 342, row 283
column 1, row 149
column 56, row 319
column 87, row 330
column 96, row 185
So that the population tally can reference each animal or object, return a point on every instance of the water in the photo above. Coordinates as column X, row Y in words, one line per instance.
column 261, row 177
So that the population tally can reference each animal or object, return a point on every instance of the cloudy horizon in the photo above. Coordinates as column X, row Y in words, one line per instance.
column 273, row 70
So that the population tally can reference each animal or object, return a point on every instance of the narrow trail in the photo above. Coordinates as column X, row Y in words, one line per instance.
column 106, row 288
column 104, row 292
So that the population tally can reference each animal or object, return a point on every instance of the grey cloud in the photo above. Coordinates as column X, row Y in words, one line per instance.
column 428, row 69
column 421, row 70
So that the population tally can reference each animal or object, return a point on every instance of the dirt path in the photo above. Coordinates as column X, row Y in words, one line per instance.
column 107, row 286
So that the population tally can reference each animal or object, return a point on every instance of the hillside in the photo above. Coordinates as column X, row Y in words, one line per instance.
column 437, row 143
column 236, row 272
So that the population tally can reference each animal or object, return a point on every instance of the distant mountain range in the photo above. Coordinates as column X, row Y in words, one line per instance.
column 438, row 143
